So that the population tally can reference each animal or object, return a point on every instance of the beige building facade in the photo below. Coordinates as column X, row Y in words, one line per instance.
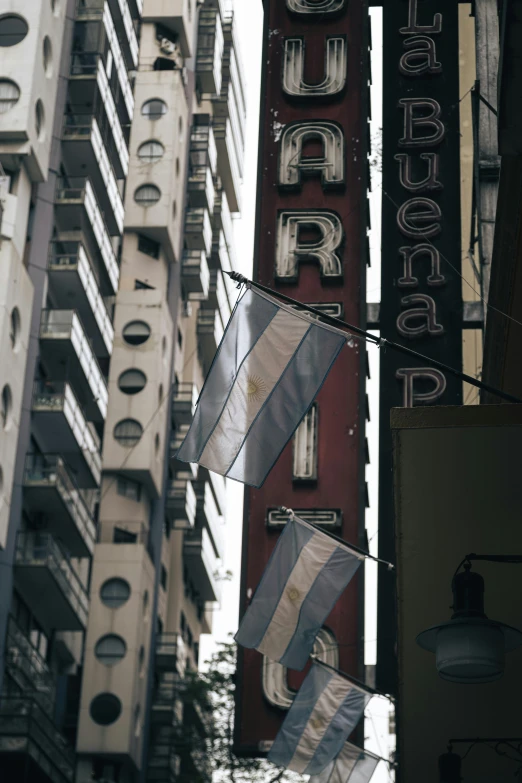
column 122, row 129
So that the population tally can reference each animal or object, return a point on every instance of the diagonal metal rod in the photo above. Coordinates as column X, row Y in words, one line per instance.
column 381, row 342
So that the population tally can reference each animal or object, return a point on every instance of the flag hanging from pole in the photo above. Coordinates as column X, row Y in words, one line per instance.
column 352, row 765
column 268, row 369
column 325, row 711
column 304, row 578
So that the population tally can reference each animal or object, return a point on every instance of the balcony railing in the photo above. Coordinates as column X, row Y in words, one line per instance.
column 171, row 653
column 40, row 551
column 28, row 669
column 58, row 397
column 85, row 128
column 199, row 554
column 25, row 728
column 208, row 514
column 203, row 151
column 201, row 188
column 181, row 504
column 68, row 268
column 184, row 403
column 49, row 472
column 65, row 325
column 210, row 333
column 167, row 705
column 90, row 10
column 90, row 65
column 195, row 274
column 210, row 51
column 198, row 230
column 228, row 161
column 79, row 190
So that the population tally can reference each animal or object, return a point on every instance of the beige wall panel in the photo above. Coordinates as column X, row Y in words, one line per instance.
column 16, row 291
column 145, row 460
column 126, row 679
column 457, row 490
column 36, row 79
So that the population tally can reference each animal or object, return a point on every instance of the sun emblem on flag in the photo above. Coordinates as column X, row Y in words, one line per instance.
column 255, row 388
column 293, row 594
column 316, row 723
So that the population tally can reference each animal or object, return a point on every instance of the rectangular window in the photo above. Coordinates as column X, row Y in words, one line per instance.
column 148, row 246
column 163, row 577
column 305, row 447
column 122, row 536
column 129, row 489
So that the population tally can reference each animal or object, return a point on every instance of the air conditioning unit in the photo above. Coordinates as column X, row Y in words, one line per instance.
column 167, row 47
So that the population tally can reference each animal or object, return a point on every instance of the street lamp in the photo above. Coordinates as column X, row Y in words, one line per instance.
column 470, row 648
column 449, row 767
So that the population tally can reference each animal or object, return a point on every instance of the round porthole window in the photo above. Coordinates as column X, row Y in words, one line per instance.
column 136, row 332
column 47, row 56
column 6, row 405
column 132, row 381
column 14, row 331
column 13, row 29
column 128, row 432
column 39, row 120
column 9, row 95
column 115, row 592
column 154, row 109
column 105, row 709
column 110, row 649
column 147, row 195
column 151, row 151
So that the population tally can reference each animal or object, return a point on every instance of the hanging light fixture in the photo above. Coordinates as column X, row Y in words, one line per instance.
column 449, row 767
column 469, row 648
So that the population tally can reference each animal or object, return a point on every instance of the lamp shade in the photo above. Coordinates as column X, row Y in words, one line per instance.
column 469, row 648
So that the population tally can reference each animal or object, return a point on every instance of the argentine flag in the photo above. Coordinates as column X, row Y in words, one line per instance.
column 352, row 765
column 304, row 578
column 268, row 369
column 325, row 711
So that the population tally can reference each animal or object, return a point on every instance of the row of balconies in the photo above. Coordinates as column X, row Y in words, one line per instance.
column 68, row 354
column 60, row 425
column 72, row 281
column 93, row 10
column 84, row 150
column 89, row 86
column 210, row 51
column 30, row 743
column 78, row 212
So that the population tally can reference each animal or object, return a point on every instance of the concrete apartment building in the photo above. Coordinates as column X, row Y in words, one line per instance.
column 121, row 144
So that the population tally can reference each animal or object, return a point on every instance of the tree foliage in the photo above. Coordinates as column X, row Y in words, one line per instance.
column 214, row 690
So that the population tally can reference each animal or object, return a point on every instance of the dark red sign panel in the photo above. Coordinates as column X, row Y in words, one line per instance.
column 311, row 245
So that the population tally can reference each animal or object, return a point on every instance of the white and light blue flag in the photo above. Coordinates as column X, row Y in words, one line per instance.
column 306, row 574
column 325, row 711
column 352, row 765
column 268, row 368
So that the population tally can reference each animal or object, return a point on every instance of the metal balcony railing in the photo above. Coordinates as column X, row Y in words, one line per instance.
column 50, row 470
column 28, row 669
column 171, row 653
column 195, row 274
column 80, row 190
column 76, row 263
column 66, row 325
column 204, row 564
column 80, row 127
column 25, row 728
column 208, row 513
column 40, row 549
column 181, row 503
column 55, row 397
